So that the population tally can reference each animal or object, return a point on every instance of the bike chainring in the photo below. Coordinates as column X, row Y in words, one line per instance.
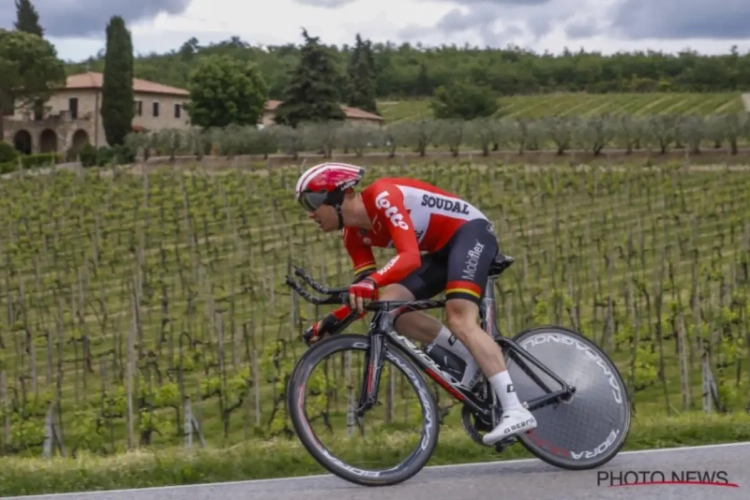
column 475, row 426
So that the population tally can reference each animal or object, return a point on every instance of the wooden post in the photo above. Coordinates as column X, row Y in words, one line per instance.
column 129, row 380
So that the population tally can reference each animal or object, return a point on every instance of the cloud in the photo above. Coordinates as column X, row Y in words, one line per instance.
column 76, row 27
column 498, row 22
column 339, row 3
column 512, row 3
column 585, row 28
column 457, row 20
column 328, row 4
column 626, row 19
column 82, row 18
column 482, row 20
column 681, row 19
column 632, row 20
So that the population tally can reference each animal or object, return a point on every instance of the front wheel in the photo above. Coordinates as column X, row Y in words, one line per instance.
column 588, row 430
column 423, row 412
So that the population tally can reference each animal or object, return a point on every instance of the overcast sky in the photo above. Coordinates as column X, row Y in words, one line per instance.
column 76, row 27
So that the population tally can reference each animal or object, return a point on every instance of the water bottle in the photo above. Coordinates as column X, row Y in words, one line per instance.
column 448, row 361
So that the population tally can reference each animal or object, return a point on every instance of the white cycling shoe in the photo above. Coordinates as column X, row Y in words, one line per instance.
column 512, row 422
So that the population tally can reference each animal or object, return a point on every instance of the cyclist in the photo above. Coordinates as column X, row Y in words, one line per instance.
column 413, row 216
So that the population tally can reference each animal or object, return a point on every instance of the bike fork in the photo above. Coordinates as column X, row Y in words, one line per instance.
column 374, row 359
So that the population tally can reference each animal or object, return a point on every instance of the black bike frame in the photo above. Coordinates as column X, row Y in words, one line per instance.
column 382, row 336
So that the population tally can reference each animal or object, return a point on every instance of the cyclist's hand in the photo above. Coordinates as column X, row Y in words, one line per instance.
column 361, row 293
column 319, row 329
column 312, row 334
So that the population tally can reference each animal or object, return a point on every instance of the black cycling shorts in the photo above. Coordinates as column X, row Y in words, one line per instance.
column 460, row 267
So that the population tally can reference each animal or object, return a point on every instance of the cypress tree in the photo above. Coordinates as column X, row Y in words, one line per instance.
column 27, row 18
column 118, row 109
column 362, row 79
column 311, row 94
column 370, row 58
column 423, row 86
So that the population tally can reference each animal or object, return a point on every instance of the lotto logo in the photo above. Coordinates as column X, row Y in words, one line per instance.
column 381, row 201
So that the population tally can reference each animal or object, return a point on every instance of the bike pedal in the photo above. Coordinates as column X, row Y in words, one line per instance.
column 501, row 445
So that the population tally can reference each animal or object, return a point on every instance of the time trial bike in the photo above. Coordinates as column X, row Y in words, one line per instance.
column 581, row 424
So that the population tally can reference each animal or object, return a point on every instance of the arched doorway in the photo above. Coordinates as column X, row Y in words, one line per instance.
column 48, row 141
column 22, row 142
column 80, row 139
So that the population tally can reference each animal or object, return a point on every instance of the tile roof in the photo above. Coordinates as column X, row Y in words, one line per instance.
column 352, row 113
column 93, row 80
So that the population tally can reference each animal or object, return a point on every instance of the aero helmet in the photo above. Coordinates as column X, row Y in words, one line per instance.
column 326, row 183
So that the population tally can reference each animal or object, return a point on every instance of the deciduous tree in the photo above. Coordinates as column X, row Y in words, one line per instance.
column 29, row 67
column 464, row 101
column 224, row 91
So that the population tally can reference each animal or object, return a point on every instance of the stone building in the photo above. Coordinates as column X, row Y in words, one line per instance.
column 71, row 117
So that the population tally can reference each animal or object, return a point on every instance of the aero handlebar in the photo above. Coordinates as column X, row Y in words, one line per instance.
column 335, row 296
column 341, row 295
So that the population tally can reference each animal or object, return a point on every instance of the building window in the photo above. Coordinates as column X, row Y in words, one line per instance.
column 156, row 109
column 73, row 107
column 177, row 110
column 139, row 108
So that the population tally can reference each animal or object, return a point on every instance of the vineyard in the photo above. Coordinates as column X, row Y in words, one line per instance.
column 126, row 295
column 583, row 104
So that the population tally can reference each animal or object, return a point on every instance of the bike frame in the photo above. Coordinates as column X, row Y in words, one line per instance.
column 383, row 336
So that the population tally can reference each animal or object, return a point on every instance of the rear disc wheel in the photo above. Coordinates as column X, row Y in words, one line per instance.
column 588, row 430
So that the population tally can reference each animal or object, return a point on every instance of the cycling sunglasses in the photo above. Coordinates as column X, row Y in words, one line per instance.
column 311, row 201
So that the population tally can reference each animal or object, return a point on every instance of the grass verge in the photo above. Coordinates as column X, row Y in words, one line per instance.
column 283, row 458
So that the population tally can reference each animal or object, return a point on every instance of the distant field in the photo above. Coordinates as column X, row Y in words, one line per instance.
column 581, row 104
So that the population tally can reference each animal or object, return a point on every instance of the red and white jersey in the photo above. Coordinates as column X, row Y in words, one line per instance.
column 409, row 215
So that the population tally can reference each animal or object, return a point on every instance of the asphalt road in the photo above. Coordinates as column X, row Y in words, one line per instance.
column 518, row 480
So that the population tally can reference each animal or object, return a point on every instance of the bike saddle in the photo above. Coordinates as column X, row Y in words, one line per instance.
column 500, row 263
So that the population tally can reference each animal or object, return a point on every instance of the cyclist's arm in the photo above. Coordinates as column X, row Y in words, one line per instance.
column 363, row 262
column 388, row 203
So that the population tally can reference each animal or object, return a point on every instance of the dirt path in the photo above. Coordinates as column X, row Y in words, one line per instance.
column 746, row 101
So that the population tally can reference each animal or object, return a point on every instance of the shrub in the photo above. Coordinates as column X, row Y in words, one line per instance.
column 104, row 155
column 7, row 153
column 88, row 155
column 41, row 160
column 31, row 161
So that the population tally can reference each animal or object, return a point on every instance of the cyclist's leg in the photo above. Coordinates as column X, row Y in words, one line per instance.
column 472, row 251
column 423, row 283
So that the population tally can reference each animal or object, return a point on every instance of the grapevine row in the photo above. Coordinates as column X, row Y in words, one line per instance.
column 583, row 104
column 138, row 291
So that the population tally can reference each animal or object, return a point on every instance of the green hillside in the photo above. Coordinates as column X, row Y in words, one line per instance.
column 583, row 104
column 404, row 70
